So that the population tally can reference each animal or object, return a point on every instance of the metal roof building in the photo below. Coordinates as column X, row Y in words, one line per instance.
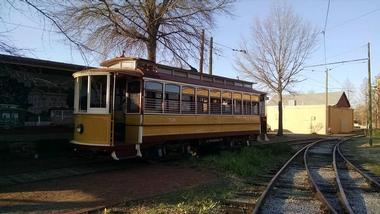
column 307, row 113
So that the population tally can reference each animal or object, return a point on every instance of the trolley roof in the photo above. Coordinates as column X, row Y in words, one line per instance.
column 144, row 68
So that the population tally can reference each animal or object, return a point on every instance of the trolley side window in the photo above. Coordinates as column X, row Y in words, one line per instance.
column 98, row 91
column 262, row 108
column 247, row 104
column 226, row 103
column 172, row 101
column 153, row 97
column 83, row 85
column 188, row 100
column 255, row 108
column 255, row 105
column 215, row 103
column 202, row 101
column 133, row 100
column 237, row 103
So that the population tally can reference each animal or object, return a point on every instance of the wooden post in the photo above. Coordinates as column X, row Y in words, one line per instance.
column 369, row 96
column 210, row 57
column 202, row 51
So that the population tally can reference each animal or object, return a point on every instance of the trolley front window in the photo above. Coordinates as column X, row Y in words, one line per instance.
column 98, row 91
column 83, row 85
column 92, row 94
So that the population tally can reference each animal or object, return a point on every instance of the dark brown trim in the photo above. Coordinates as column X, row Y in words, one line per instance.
column 150, row 140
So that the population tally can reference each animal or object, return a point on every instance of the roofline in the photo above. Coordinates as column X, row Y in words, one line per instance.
column 117, row 59
column 18, row 60
column 204, row 74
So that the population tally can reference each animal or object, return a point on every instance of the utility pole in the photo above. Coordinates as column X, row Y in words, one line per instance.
column 369, row 96
column 210, row 57
column 327, row 80
column 327, row 100
column 202, row 51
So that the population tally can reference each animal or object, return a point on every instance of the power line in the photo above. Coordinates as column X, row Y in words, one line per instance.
column 346, row 52
column 327, row 15
column 336, row 80
column 324, row 30
column 233, row 49
column 354, row 19
column 334, row 63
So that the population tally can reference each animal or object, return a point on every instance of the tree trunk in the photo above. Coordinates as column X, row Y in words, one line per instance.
column 280, row 130
column 151, row 46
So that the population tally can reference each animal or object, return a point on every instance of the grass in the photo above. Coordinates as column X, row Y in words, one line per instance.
column 203, row 199
column 245, row 163
column 369, row 156
column 248, row 162
column 376, row 132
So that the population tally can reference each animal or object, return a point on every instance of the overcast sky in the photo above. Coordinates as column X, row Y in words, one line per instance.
column 351, row 24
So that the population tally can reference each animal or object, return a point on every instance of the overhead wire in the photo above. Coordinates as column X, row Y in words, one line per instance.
column 353, row 19
column 324, row 30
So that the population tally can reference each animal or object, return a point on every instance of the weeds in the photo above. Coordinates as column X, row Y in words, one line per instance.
column 202, row 200
column 250, row 161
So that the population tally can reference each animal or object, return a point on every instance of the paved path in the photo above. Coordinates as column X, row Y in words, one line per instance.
column 84, row 192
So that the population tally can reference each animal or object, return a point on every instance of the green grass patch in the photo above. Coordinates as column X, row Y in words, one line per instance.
column 249, row 161
column 367, row 155
column 376, row 132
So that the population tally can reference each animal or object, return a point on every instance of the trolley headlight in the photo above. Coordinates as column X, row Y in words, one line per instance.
column 79, row 128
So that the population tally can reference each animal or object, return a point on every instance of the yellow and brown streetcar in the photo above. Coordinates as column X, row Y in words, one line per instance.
column 131, row 104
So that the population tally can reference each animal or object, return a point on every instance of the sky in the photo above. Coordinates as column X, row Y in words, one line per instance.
column 351, row 25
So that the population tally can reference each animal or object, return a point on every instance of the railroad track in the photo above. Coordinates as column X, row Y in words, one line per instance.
column 318, row 161
column 289, row 191
column 358, row 189
column 339, row 185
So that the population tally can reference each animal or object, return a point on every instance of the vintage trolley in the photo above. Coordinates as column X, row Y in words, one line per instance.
column 129, row 105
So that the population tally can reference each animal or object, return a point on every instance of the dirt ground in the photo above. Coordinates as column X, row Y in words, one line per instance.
column 78, row 194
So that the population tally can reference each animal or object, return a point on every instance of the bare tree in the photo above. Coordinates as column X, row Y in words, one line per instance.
column 362, row 107
column 349, row 88
column 144, row 27
column 276, row 51
column 6, row 45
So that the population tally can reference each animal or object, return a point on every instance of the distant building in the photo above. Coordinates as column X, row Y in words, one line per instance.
column 35, row 92
column 306, row 113
column 11, row 116
column 42, row 101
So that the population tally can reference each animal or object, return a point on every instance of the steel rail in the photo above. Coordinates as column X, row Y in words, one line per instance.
column 263, row 196
column 371, row 180
column 319, row 193
column 342, row 193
